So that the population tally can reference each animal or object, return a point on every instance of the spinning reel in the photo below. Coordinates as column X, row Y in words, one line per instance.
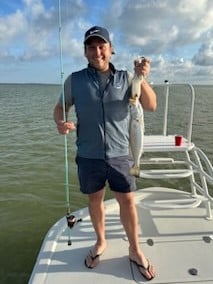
column 71, row 222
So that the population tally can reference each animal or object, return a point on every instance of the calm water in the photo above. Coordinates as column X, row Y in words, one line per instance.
column 32, row 191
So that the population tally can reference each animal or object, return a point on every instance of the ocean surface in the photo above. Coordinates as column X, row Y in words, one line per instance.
column 32, row 190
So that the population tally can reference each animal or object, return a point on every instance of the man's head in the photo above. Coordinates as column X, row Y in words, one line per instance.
column 98, row 48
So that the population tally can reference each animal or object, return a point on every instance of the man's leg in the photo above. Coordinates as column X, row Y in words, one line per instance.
column 129, row 219
column 97, row 215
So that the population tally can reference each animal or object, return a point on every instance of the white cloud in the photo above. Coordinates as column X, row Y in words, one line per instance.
column 204, row 56
column 166, row 31
column 36, row 28
column 175, row 34
column 161, row 24
column 11, row 26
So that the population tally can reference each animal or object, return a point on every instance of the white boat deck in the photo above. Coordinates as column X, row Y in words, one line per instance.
column 178, row 241
column 175, row 241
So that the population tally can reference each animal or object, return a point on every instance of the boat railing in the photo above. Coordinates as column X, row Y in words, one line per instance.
column 178, row 162
column 191, row 93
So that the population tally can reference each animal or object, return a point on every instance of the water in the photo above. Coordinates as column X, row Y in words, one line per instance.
column 32, row 191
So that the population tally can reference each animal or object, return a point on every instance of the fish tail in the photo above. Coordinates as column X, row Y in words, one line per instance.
column 135, row 171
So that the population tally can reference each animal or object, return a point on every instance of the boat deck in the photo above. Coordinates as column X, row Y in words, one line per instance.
column 179, row 242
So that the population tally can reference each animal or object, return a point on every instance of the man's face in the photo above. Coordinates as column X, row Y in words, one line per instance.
column 98, row 53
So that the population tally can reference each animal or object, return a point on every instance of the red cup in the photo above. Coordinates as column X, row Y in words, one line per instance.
column 178, row 140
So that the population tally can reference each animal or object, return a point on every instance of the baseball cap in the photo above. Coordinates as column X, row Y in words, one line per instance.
column 97, row 31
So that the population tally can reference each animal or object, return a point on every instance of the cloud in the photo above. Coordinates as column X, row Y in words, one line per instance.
column 161, row 25
column 43, row 27
column 12, row 26
column 175, row 34
column 204, row 56
column 34, row 30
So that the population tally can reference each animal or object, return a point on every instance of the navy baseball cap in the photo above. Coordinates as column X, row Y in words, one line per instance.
column 97, row 31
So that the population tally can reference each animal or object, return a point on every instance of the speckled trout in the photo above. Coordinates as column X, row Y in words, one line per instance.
column 136, row 127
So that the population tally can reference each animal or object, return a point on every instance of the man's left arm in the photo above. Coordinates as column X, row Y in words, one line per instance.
column 148, row 97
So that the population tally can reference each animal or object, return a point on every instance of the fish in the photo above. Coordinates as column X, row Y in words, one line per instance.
column 136, row 126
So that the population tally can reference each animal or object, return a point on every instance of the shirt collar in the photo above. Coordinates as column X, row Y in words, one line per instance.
column 93, row 70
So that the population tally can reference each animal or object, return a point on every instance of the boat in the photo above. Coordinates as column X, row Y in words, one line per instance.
column 175, row 222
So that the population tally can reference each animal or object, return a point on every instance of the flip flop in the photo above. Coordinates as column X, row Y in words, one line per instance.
column 94, row 260
column 144, row 268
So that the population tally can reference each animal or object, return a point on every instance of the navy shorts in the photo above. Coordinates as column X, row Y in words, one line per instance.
column 94, row 173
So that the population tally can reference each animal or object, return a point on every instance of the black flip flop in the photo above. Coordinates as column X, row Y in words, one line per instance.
column 93, row 258
column 143, row 267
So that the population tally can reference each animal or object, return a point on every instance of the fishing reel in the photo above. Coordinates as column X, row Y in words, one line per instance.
column 71, row 220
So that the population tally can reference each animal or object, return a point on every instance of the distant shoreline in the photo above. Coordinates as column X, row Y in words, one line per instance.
column 155, row 84
column 49, row 84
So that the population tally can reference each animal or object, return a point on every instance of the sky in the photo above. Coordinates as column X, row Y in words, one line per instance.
column 176, row 35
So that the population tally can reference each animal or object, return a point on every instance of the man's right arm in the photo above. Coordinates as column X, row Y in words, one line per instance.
column 64, row 127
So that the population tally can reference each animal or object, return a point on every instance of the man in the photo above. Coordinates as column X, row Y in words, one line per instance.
column 100, row 94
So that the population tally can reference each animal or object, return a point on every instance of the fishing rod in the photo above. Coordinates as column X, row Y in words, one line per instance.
column 71, row 220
